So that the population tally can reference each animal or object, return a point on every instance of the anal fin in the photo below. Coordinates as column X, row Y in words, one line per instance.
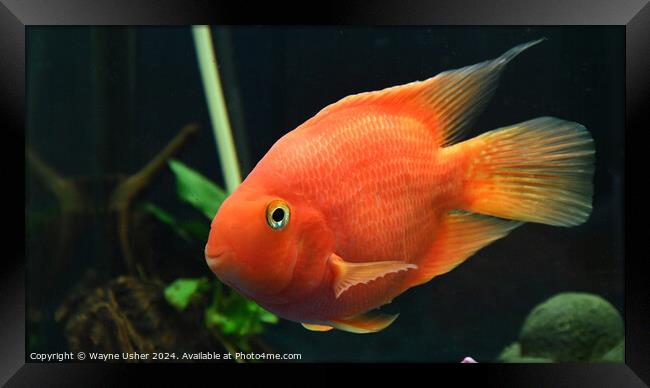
column 460, row 235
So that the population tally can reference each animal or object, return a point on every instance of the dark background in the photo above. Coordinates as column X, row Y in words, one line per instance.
column 107, row 99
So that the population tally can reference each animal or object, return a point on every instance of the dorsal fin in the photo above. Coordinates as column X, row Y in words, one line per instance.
column 448, row 102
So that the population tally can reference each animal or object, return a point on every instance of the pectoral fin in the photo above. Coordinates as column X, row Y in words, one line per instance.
column 350, row 274
column 364, row 323
column 314, row 327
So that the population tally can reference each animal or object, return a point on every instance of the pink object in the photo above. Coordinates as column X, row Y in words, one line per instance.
column 469, row 360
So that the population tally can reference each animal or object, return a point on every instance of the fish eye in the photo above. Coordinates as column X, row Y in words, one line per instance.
column 277, row 214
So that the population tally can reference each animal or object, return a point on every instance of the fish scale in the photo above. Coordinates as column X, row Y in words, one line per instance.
column 397, row 168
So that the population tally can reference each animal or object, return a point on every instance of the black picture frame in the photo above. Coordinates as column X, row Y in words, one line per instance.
column 15, row 15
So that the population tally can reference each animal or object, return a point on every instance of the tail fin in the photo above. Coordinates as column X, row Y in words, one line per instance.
column 537, row 171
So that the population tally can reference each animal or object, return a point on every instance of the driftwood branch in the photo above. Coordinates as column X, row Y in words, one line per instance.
column 69, row 197
column 73, row 202
column 124, row 194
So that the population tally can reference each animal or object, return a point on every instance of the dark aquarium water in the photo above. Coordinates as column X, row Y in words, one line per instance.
column 118, row 129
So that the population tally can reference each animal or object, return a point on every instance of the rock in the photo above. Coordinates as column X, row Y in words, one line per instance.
column 571, row 327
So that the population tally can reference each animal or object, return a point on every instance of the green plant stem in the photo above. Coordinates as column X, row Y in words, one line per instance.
column 217, row 106
column 218, row 294
column 229, row 347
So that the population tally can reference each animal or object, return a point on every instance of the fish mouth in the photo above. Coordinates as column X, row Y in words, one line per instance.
column 218, row 259
column 215, row 259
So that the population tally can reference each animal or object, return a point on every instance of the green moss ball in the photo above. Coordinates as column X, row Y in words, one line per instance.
column 616, row 354
column 571, row 327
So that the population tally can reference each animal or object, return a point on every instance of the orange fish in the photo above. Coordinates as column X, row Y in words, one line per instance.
column 375, row 195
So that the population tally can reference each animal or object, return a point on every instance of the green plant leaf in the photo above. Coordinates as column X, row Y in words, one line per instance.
column 165, row 218
column 199, row 229
column 267, row 317
column 237, row 316
column 197, row 190
column 182, row 292
column 189, row 230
